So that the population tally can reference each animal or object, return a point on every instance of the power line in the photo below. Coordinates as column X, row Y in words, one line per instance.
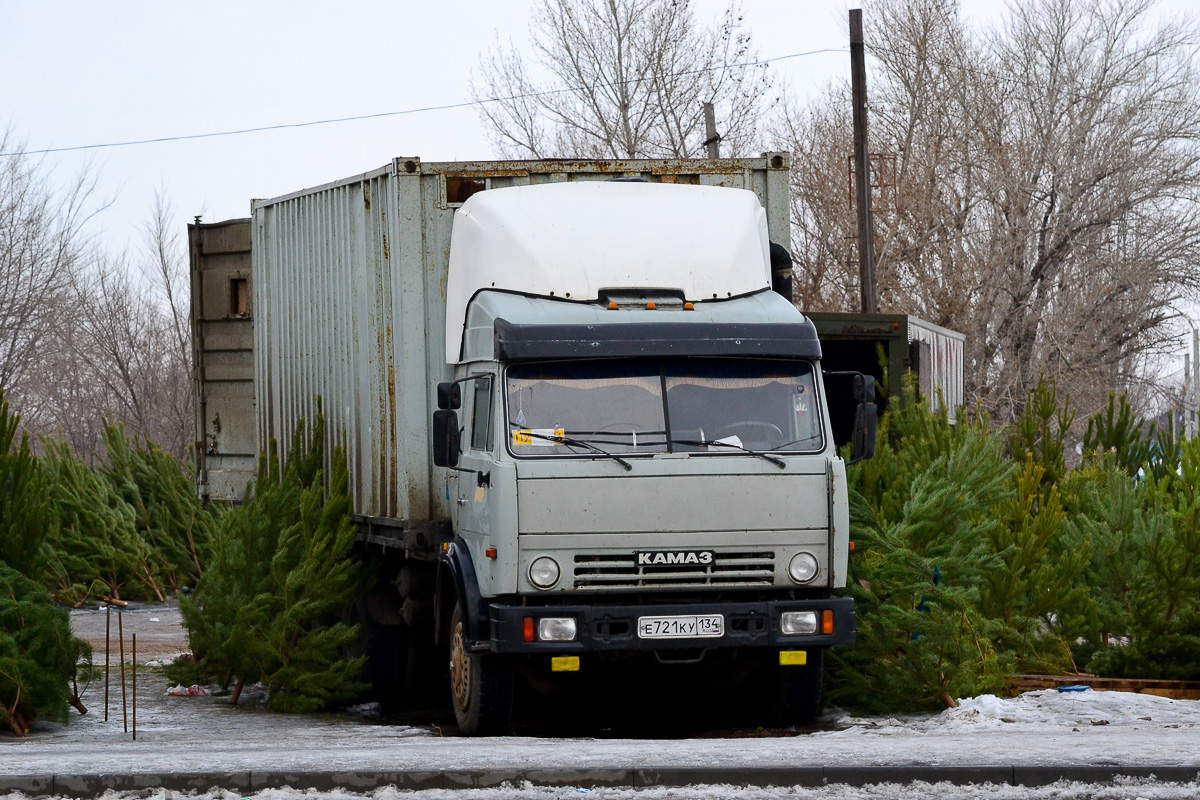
column 404, row 112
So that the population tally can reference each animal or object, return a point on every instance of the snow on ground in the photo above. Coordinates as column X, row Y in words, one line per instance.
column 1046, row 709
column 1120, row 790
column 202, row 733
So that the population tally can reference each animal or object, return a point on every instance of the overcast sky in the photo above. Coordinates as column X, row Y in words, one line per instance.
column 81, row 73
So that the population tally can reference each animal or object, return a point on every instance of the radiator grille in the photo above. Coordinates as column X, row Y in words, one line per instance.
column 621, row 571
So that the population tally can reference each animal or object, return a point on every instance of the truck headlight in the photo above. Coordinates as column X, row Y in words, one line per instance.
column 544, row 572
column 557, row 629
column 802, row 568
column 798, row 623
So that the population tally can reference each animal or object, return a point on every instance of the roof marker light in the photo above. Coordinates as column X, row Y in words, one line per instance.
column 688, row 307
column 651, row 306
column 612, row 306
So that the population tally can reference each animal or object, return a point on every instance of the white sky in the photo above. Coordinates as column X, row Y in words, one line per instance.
column 78, row 73
column 86, row 72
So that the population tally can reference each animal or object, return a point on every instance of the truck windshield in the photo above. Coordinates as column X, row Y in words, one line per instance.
column 678, row 405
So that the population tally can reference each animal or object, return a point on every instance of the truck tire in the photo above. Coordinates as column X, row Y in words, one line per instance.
column 481, row 685
column 797, row 691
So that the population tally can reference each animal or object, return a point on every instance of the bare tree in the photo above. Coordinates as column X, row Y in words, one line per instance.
column 1046, row 197
column 125, row 348
column 624, row 79
column 42, row 246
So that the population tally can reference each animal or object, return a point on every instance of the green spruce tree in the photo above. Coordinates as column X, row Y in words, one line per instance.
column 167, row 515
column 38, row 654
column 25, row 518
column 268, row 607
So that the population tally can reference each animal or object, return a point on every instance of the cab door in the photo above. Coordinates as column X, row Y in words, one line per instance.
column 475, row 465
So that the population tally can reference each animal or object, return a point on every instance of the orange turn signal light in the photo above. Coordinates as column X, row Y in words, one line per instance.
column 528, row 629
column 827, row 621
column 852, row 547
column 490, row 552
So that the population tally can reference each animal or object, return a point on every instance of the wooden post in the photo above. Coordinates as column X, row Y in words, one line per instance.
column 121, row 642
column 107, row 628
column 711, row 140
column 862, row 167
column 135, row 687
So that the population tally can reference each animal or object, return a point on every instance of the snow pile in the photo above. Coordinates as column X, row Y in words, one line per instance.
column 1045, row 708
column 1063, row 790
column 187, row 691
column 371, row 710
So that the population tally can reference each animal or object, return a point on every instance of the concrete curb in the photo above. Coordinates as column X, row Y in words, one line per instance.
column 248, row 782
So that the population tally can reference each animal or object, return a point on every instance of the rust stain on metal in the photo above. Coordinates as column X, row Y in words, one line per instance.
column 393, row 477
column 650, row 167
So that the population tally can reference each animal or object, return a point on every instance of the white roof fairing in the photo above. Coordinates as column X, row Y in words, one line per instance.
column 572, row 240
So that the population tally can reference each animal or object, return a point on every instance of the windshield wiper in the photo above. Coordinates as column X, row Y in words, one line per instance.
column 717, row 443
column 567, row 440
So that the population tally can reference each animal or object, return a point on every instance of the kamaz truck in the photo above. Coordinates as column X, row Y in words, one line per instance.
column 587, row 430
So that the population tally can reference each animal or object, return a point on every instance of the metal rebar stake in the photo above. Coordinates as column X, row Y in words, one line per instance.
column 107, row 628
column 121, row 640
column 135, row 687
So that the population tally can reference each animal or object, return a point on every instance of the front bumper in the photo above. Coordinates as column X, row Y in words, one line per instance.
column 614, row 627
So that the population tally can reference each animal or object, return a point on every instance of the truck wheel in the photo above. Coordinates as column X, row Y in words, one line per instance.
column 798, row 691
column 481, row 685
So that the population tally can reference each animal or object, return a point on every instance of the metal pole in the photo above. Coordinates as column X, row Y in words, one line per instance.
column 1188, row 415
column 862, row 154
column 135, row 687
column 711, row 140
column 107, row 628
column 1195, row 381
column 124, row 699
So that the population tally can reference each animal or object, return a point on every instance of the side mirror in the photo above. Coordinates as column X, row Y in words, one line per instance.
column 446, row 445
column 865, row 421
column 449, row 395
column 864, row 388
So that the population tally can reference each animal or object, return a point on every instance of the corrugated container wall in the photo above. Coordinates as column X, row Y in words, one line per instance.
column 942, row 365
column 349, row 304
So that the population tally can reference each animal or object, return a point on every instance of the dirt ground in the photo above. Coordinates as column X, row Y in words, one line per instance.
column 158, row 626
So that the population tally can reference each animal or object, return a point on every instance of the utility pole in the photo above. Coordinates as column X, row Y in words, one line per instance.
column 1194, row 412
column 862, row 161
column 710, row 131
column 1189, row 398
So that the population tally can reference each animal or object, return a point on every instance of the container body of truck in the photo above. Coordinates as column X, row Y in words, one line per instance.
column 583, row 430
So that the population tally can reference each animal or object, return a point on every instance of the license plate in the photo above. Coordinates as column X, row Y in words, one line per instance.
column 708, row 626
